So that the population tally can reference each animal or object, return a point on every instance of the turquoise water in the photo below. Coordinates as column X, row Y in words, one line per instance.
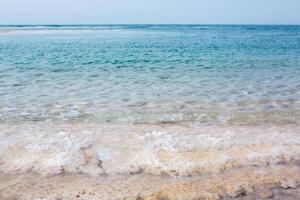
column 207, row 74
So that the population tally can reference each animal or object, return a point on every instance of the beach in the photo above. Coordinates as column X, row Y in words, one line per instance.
column 115, row 162
column 149, row 112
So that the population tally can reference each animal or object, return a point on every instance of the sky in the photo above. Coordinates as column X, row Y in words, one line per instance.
column 149, row 11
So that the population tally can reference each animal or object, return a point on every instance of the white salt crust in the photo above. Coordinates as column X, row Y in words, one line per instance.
column 93, row 149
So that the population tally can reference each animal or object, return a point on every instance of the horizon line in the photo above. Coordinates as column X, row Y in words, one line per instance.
column 116, row 24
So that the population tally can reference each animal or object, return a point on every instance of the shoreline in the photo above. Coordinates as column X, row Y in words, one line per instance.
column 41, row 160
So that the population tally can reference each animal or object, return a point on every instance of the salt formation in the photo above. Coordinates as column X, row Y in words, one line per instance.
column 136, row 152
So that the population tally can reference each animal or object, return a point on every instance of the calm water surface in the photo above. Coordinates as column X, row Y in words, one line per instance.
column 202, row 74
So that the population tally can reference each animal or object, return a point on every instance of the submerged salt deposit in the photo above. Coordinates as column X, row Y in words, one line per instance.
column 150, row 74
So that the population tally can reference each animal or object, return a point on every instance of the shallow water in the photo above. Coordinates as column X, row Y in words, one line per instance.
column 150, row 74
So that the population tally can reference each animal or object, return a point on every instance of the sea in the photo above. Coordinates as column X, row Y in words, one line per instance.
column 141, row 74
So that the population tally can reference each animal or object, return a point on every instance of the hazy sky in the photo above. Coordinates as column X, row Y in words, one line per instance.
column 149, row 11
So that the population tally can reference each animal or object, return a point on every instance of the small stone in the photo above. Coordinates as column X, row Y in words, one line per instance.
column 265, row 194
column 139, row 197
column 163, row 196
column 289, row 184
column 235, row 191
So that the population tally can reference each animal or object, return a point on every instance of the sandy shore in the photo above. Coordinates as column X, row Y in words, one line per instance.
column 93, row 161
column 280, row 182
